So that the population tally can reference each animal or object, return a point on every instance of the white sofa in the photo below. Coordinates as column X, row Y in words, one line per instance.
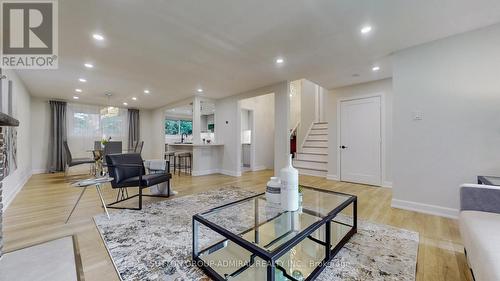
column 480, row 229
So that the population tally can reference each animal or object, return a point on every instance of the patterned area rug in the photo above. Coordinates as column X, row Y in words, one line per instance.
column 155, row 243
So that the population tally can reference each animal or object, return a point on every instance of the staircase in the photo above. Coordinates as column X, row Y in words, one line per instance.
column 312, row 159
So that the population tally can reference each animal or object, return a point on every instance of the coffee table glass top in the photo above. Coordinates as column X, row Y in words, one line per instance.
column 265, row 225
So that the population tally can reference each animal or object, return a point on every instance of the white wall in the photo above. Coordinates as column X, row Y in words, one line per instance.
column 382, row 87
column 307, row 110
column 295, row 106
column 263, row 115
column 146, row 132
column 455, row 83
column 40, row 127
column 228, row 126
column 21, row 107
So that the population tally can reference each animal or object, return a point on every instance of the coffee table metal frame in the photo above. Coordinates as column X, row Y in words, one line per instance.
column 272, row 257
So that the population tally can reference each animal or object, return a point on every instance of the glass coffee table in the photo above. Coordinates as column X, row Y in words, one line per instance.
column 252, row 239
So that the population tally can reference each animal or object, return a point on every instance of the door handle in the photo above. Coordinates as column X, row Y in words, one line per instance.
column 343, row 146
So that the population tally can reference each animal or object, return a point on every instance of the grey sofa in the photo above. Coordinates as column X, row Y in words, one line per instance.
column 479, row 222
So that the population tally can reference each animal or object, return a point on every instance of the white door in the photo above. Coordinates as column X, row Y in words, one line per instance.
column 360, row 141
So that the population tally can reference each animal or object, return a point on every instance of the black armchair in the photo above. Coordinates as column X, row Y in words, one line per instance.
column 128, row 171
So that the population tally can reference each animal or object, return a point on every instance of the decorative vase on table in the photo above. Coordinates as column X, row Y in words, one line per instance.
column 289, row 187
column 273, row 191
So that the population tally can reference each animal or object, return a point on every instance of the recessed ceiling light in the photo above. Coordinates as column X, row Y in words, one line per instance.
column 199, row 90
column 83, row 80
column 134, row 98
column 88, row 65
column 75, row 97
column 98, row 37
column 125, row 104
column 376, row 68
column 366, row 29
column 147, row 91
column 78, row 90
column 280, row 60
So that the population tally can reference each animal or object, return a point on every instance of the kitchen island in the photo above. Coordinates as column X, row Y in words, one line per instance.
column 207, row 158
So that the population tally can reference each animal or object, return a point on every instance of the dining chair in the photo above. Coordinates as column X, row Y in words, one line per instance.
column 133, row 147
column 113, row 147
column 138, row 147
column 70, row 161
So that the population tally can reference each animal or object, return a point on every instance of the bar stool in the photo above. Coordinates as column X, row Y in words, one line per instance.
column 170, row 155
column 184, row 158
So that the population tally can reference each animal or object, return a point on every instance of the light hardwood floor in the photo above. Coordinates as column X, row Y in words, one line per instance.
column 38, row 213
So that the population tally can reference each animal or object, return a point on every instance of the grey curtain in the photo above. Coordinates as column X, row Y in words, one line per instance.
column 133, row 128
column 57, row 136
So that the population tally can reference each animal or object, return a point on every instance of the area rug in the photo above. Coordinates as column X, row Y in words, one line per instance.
column 155, row 243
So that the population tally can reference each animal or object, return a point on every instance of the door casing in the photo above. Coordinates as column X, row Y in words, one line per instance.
column 382, row 133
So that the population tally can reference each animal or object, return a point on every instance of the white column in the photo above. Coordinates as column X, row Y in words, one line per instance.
column 196, row 120
column 281, row 127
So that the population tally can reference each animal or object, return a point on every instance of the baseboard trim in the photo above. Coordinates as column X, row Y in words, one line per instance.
column 10, row 197
column 425, row 208
column 39, row 171
column 387, row 184
column 332, row 177
column 259, row 168
column 205, row 172
column 230, row 173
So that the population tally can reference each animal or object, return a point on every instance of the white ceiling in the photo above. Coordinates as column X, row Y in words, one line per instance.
column 228, row 46
column 206, row 108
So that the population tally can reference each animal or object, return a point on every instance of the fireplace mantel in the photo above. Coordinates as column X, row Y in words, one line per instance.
column 8, row 121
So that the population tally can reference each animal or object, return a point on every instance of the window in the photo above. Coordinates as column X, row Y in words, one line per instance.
column 175, row 127
column 186, row 127
column 89, row 123
column 171, row 127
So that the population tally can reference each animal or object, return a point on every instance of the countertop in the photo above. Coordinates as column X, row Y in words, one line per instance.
column 195, row 145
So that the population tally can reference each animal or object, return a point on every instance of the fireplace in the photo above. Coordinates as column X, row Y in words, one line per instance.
column 5, row 121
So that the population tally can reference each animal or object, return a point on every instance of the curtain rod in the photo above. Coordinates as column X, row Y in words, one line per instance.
column 48, row 101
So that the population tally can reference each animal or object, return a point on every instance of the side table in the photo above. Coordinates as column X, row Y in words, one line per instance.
column 488, row 180
column 86, row 183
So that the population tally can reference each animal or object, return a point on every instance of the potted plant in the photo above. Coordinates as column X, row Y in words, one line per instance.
column 301, row 195
column 105, row 141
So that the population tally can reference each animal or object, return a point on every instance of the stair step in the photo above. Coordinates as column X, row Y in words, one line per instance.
column 320, row 126
column 312, row 157
column 318, row 133
column 323, row 150
column 312, row 172
column 316, row 140
column 323, row 144
column 317, row 137
column 316, row 165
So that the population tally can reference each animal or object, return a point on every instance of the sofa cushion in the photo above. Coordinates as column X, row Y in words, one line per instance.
column 481, row 236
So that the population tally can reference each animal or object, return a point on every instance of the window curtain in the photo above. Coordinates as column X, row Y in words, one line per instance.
column 133, row 127
column 90, row 123
column 57, row 135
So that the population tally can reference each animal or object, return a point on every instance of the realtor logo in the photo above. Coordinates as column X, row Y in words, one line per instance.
column 29, row 35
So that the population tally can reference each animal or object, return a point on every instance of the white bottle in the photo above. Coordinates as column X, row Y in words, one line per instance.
column 273, row 191
column 289, row 187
